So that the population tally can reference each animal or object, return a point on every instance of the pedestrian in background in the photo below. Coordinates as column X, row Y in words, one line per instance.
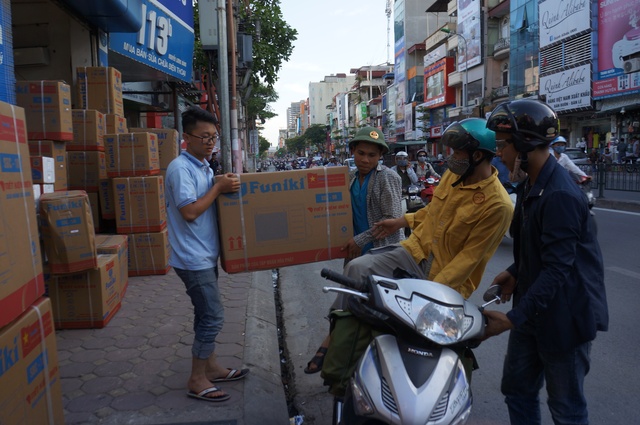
column 556, row 280
column 404, row 170
column 193, row 237
column 424, row 169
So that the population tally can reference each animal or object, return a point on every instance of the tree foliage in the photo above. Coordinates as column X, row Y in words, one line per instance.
column 263, row 146
column 272, row 45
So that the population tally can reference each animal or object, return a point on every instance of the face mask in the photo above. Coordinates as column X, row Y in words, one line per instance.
column 559, row 149
column 422, row 159
column 402, row 162
column 518, row 174
column 457, row 166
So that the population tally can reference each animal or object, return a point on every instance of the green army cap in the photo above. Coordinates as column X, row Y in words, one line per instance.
column 371, row 135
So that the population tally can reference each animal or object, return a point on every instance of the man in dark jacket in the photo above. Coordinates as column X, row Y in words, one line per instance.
column 557, row 279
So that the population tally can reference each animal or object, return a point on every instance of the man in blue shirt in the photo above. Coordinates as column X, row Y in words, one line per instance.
column 193, row 236
column 557, row 278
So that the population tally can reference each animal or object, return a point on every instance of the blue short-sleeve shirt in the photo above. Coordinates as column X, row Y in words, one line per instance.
column 194, row 245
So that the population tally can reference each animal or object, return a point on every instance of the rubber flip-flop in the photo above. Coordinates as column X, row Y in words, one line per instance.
column 233, row 375
column 202, row 395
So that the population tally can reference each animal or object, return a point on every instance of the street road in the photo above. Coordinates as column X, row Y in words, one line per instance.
column 611, row 386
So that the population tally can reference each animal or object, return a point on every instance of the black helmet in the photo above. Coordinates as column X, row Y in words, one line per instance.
column 532, row 123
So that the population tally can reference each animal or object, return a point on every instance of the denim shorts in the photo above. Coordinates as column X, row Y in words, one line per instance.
column 202, row 288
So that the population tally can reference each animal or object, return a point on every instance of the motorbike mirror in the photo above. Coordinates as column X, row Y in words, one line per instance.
column 492, row 293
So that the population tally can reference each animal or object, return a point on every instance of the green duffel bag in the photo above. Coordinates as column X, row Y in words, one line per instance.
column 349, row 340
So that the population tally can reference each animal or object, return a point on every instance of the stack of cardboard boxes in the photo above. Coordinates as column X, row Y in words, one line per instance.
column 30, row 389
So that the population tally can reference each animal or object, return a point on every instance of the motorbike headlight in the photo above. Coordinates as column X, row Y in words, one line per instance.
column 442, row 324
column 361, row 403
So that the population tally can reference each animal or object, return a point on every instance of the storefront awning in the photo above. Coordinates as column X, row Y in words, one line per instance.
column 409, row 143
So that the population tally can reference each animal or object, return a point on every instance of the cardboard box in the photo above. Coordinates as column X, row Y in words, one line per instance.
column 21, row 280
column 132, row 154
column 57, row 151
column 30, row 388
column 89, row 127
column 116, row 124
column 94, row 203
column 42, row 169
column 140, row 204
column 47, row 107
column 287, row 218
column 88, row 299
column 86, row 170
column 149, row 253
column 100, row 88
column 119, row 246
column 168, row 144
column 107, row 206
column 39, row 189
column 67, row 231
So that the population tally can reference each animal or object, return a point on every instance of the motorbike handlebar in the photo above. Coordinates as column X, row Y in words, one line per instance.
column 343, row 280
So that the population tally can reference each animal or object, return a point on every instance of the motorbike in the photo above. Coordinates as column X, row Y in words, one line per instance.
column 428, row 186
column 411, row 202
column 413, row 372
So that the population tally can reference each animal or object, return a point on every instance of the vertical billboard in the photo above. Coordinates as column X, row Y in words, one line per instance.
column 618, row 64
column 560, row 19
column 165, row 40
column 436, row 84
column 469, row 27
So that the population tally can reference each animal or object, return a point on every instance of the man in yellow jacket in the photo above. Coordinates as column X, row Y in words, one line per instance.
column 456, row 234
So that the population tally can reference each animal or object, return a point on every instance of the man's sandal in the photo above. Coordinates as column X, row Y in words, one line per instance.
column 315, row 365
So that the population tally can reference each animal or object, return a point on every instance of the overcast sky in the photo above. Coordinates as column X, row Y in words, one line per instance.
column 333, row 37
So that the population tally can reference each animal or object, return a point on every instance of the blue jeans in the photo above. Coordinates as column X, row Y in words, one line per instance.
column 202, row 288
column 526, row 367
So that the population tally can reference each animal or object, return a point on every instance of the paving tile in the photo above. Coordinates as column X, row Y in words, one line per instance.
column 113, row 369
column 177, row 381
column 88, row 356
column 181, row 365
column 73, row 418
column 164, row 340
column 128, row 342
column 150, row 367
column 75, row 370
column 133, row 401
column 88, row 403
column 141, row 383
column 122, row 354
column 103, row 385
column 139, row 330
column 98, row 343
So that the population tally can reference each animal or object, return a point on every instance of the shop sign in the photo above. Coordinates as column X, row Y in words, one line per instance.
column 165, row 40
column 569, row 89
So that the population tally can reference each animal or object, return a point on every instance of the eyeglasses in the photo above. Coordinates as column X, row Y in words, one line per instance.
column 502, row 143
column 204, row 139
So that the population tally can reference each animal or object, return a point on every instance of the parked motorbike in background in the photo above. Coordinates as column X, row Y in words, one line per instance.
column 413, row 372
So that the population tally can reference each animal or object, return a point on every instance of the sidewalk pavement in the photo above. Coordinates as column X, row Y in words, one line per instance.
column 134, row 370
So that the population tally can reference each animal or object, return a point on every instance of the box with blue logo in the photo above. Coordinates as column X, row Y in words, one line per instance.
column 87, row 299
column 30, row 387
column 285, row 218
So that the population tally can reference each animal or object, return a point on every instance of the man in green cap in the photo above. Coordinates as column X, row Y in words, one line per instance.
column 376, row 194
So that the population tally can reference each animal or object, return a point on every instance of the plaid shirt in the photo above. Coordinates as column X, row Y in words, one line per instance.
column 384, row 200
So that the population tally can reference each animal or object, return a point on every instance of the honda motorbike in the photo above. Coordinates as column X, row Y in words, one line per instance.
column 413, row 373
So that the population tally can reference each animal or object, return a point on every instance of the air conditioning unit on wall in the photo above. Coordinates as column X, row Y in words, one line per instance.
column 475, row 102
